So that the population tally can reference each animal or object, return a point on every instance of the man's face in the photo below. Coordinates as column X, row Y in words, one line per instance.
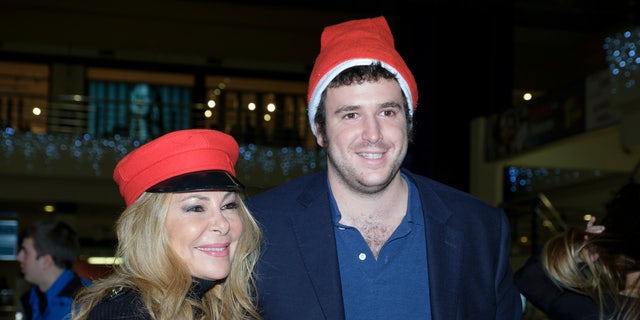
column 366, row 134
column 31, row 266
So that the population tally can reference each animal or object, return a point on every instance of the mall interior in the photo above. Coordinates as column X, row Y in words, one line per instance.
column 530, row 105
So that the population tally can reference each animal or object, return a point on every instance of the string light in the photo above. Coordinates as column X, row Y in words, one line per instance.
column 623, row 56
column 255, row 162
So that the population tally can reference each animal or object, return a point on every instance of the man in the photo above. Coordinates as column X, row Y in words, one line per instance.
column 49, row 248
column 367, row 239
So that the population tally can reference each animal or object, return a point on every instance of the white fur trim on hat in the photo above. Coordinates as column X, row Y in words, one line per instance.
column 314, row 101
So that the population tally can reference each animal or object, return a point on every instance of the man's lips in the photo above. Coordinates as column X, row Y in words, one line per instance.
column 371, row 155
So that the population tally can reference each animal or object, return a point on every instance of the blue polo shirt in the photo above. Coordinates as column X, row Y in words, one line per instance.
column 395, row 286
column 57, row 300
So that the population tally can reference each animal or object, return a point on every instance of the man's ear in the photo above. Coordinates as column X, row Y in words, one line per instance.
column 319, row 137
column 47, row 260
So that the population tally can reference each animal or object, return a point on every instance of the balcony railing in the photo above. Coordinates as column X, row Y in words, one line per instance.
column 63, row 138
column 82, row 154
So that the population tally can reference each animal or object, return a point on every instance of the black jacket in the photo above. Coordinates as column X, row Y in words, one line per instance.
column 126, row 304
column 556, row 302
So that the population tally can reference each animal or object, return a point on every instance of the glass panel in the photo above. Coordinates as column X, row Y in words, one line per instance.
column 24, row 91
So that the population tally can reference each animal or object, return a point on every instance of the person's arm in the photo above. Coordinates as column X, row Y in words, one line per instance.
column 556, row 302
column 535, row 285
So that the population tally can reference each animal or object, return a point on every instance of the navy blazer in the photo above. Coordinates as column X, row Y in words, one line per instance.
column 468, row 247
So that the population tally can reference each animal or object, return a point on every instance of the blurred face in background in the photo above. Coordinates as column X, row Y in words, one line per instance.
column 31, row 266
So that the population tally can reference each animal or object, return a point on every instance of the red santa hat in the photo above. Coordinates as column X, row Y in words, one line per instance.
column 357, row 43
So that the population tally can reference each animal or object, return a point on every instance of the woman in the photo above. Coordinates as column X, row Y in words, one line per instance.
column 188, row 243
column 592, row 273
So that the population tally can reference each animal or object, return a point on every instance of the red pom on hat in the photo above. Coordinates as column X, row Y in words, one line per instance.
column 179, row 161
column 357, row 43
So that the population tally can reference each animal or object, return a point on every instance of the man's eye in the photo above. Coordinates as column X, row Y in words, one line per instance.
column 350, row 115
column 389, row 113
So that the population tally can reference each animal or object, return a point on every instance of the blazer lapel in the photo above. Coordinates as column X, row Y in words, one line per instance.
column 444, row 258
column 444, row 255
column 313, row 227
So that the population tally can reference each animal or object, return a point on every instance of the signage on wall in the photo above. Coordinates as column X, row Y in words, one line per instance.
column 542, row 121
column 8, row 239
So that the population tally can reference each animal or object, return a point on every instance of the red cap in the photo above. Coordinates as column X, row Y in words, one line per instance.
column 357, row 43
column 179, row 161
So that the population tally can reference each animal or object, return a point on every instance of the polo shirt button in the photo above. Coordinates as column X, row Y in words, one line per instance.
column 362, row 256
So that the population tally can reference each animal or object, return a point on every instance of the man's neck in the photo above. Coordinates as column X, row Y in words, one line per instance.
column 50, row 278
column 388, row 203
column 376, row 216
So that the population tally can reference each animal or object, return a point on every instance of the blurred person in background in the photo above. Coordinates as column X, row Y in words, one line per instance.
column 590, row 273
column 49, row 249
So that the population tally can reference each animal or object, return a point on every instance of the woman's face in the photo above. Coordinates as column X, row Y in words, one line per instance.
column 203, row 229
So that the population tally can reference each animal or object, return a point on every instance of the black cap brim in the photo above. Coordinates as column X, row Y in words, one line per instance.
column 210, row 180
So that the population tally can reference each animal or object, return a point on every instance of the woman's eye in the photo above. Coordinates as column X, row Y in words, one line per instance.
column 230, row 206
column 195, row 209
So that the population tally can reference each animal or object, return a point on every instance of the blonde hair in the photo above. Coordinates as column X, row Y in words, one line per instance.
column 150, row 267
column 565, row 260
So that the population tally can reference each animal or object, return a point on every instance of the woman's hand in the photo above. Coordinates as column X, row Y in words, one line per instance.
column 586, row 254
column 592, row 227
